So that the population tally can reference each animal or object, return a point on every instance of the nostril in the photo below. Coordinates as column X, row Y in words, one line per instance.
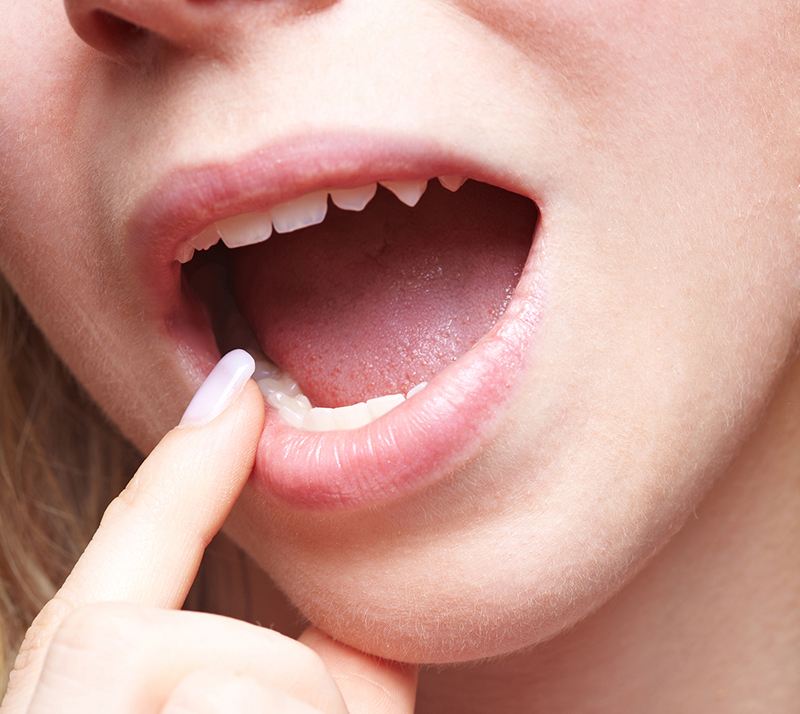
column 132, row 31
column 117, row 28
column 123, row 38
column 115, row 37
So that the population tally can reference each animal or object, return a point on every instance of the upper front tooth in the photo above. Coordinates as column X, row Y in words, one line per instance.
column 305, row 211
column 409, row 192
column 353, row 199
column 247, row 229
column 452, row 183
column 206, row 238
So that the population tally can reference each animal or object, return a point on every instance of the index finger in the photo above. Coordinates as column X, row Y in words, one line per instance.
column 153, row 535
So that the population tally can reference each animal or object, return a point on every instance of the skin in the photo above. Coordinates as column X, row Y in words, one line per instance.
column 659, row 141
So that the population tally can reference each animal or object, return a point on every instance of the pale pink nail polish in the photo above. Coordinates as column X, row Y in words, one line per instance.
column 221, row 387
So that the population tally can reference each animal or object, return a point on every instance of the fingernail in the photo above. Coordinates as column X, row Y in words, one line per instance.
column 219, row 390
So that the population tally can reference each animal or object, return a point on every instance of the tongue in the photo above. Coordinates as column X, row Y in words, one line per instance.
column 373, row 303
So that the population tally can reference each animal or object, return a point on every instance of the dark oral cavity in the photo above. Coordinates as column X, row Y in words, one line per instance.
column 373, row 303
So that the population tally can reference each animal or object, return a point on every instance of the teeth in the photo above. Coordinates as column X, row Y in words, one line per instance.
column 308, row 210
column 319, row 419
column 409, row 192
column 353, row 199
column 383, row 405
column 282, row 392
column 279, row 389
column 302, row 212
column 185, row 253
column 205, row 239
column 352, row 417
column 283, row 384
column 247, row 229
column 452, row 183
column 265, row 368
column 416, row 390
column 279, row 400
column 292, row 418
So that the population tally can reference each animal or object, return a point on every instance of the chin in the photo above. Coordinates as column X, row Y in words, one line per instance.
column 466, row 569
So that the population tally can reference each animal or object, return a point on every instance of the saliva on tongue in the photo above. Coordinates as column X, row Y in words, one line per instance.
column 375, row 302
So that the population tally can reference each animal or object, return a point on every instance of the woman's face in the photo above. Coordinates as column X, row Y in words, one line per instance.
column 657, row 305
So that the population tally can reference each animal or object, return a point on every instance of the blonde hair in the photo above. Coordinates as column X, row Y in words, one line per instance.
column 61, row 462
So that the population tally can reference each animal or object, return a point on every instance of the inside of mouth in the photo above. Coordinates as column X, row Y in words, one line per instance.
column 375, row 302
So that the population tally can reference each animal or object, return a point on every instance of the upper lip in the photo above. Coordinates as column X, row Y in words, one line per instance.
column 186, row 200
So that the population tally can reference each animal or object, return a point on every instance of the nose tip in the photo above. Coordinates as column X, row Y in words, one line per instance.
column 127, row 30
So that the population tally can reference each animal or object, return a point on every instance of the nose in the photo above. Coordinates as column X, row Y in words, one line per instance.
column 128, row 31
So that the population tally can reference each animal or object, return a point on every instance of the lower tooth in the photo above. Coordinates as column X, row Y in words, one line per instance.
column 383, row 405
column 351, row 417
column 416, row 390
column 279, row 400
column 283, row 393
column 282, row 384
column 319, row 419
column 266, row 369
column 291, row 417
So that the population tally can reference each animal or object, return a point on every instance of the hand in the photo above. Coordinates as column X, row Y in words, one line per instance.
column 113, row 639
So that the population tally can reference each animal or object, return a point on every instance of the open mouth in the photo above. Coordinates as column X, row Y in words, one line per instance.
column 352, row 308
column 383, row 319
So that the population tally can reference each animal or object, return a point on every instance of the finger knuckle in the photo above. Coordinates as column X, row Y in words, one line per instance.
column 141, row 505
column 37, row 639
column 107, row 637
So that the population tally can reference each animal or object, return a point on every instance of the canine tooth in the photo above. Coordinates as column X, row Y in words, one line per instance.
column 302, row 212
column 319, row 419
column 283, row 383
column 352, row 417
column 279, row 400
column 383, row 405
column 185, row 253
column 206, row 238
column 247, row 229
column 416, row 390
column 409, row 192
column 302, row 400
column 452, row 183
column 266, row 369
column 269, row 385
column 353, row 199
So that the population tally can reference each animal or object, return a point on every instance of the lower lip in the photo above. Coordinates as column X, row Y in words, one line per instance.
column 415, row 444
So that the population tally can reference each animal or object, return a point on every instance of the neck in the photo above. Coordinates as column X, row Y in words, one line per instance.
column 711, row 624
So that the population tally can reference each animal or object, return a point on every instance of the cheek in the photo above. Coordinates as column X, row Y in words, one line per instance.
column 40, row 81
